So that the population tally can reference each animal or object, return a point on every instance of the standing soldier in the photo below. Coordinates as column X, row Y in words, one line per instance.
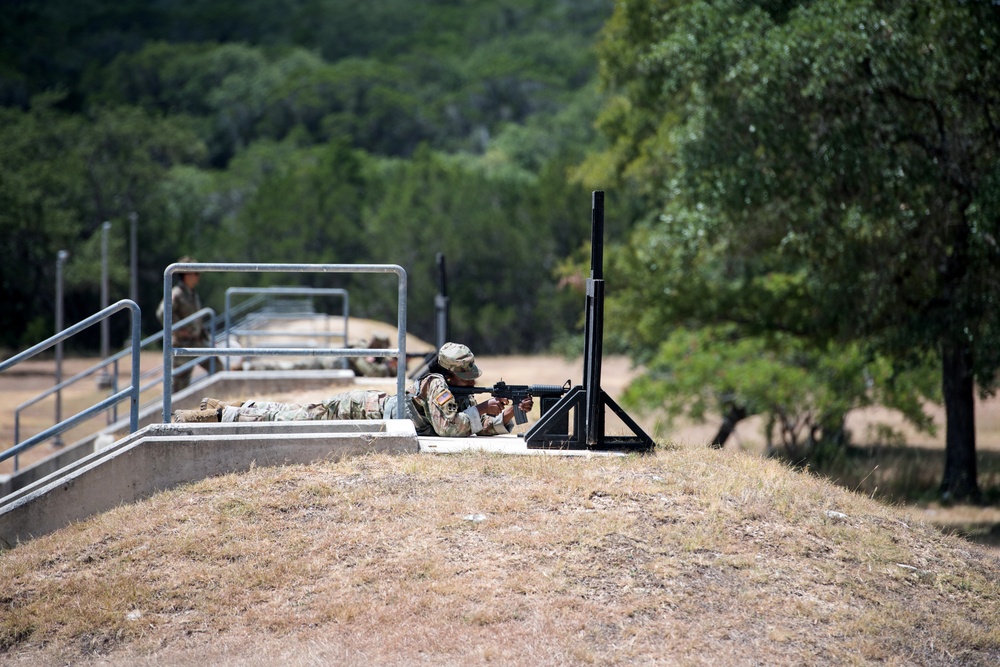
column 186, row 302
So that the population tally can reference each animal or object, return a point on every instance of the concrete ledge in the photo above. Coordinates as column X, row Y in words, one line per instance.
column 165, row 455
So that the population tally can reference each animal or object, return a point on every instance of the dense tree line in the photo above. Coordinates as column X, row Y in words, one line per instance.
column 321, row 131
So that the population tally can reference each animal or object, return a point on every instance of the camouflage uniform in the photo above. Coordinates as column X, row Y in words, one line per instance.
column 374, row 367
column 430, row 404
column 186, row 302
column 371, row 367
column 438, row 411
column 359, row 404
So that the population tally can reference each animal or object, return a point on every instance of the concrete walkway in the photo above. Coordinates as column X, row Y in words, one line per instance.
column 223, row 383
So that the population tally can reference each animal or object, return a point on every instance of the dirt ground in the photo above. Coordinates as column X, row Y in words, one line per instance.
column 29, row 379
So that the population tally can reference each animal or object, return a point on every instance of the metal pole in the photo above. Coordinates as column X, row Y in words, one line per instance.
column 105, row 228
column 441, row 304
column 597, row 235
column 104, row 380
column 595, row 324
column 133, row 291
column 60, row 260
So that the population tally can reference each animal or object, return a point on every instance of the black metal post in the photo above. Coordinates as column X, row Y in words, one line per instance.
column 442, row 304
column 588, row 400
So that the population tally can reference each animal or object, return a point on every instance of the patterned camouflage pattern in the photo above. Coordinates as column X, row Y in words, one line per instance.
column 186, row 302
column 459, row 360
column 430, row 404
column 378, row 367
column 447, row 414
column 310, row 364
column 372, row 367
column 358, row 404
column 362, row 366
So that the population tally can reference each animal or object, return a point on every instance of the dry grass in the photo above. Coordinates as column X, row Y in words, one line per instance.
column 686, row 557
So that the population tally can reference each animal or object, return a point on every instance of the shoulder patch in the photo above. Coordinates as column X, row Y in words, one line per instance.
column 443, row 397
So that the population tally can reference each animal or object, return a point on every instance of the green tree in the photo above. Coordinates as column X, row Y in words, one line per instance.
column 63, row 176
column 223, row 126
column 851, row 143
column 305, row 208
column 496, row 225
column 803, row 392
column 41, row 190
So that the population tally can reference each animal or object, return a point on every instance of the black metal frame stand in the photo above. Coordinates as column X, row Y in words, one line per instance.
column 588, row 401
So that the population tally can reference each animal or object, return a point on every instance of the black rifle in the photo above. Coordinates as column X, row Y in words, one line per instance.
column 515, row 393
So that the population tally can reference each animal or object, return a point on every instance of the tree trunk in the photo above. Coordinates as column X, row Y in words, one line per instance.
column 958, row 385
column 730, row 417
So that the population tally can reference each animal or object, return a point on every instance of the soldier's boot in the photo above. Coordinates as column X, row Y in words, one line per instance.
column 216, row 404
column 197, row 416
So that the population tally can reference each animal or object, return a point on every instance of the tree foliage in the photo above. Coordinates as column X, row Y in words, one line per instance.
column 824, row 168
column 63, row 176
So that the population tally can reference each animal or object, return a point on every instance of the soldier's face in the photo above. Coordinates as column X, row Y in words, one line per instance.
column 459, row 382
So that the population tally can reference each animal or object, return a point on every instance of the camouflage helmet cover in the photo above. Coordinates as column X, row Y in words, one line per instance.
column 459, row 360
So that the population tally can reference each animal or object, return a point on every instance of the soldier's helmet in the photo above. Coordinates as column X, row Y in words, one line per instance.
column 459, row 359
column 379, row 342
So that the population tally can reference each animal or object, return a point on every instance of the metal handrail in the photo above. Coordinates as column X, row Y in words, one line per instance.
column 132, row 391
column 248, row 305
column 262, row 292
column 169, row 351
column 114, row 377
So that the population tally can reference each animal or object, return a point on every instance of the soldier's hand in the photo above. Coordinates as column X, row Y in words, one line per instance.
column 527, row 404
column 492, row 407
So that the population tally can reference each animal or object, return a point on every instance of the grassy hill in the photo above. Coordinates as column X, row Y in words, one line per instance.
column 685, row 557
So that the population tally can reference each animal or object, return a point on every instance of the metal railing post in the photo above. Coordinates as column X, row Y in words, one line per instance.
column 105, row 330
column 133, row 243
column 104, row 380
column 60, row 260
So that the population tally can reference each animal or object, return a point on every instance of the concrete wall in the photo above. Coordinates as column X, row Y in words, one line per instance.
column 162, row 456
